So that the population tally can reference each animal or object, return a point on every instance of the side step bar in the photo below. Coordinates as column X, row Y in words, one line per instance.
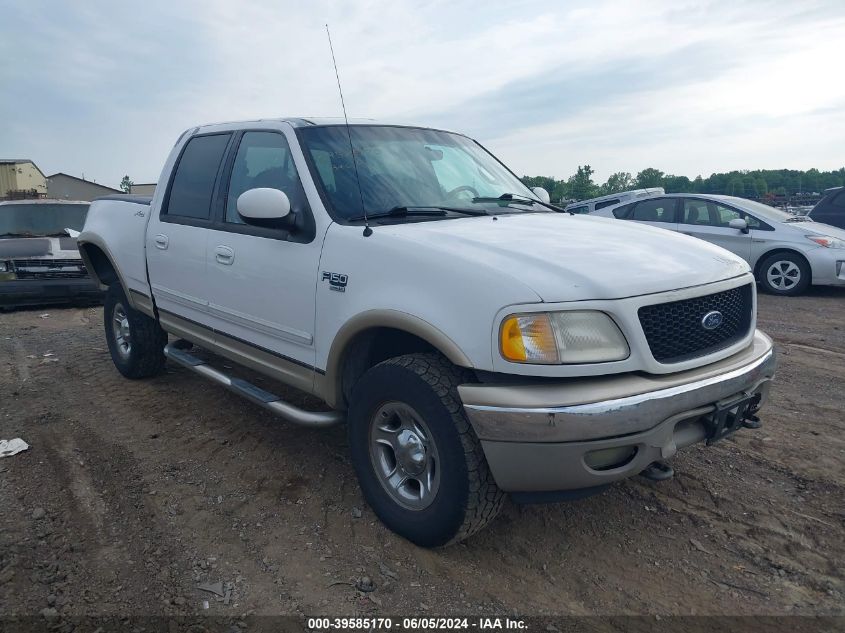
column 272, row 402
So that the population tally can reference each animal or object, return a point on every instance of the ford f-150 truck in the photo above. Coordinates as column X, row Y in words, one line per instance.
column 475, row 342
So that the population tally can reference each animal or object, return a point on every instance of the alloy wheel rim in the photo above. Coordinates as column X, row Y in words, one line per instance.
column 122, row 333
column 783, row 275
column 404, row 456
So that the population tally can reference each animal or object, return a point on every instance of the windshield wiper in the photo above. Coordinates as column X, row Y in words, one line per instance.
column 404, row 212
column 19, row 235
column 519, row 198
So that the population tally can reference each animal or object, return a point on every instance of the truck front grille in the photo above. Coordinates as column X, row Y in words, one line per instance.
column 49, row 269
column 676, row 332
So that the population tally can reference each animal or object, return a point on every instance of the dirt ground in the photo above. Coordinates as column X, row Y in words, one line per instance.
column 134, row 493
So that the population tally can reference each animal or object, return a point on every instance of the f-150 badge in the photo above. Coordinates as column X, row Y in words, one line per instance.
column 337, row 281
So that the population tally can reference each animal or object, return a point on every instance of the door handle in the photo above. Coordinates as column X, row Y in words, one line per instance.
column 224, row 255
column 161, row 241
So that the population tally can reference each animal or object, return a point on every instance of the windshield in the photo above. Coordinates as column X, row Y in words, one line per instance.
column 765, row 211
column 41, row 219
column 405, row 167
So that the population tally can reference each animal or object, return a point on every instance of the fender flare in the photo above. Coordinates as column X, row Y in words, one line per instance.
column 373, row 319
column 83, row 241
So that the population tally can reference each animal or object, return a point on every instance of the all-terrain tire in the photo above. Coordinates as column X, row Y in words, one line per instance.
column 785, row 274
column 137, row 346
column 466, row 497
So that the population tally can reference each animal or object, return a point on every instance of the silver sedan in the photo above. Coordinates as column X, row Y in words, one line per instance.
column 786, row 252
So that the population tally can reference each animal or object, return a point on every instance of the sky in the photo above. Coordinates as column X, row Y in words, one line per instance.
column 103, row 89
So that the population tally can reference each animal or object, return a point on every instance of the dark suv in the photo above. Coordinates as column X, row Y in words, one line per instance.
column 39, row 259
column 831, row 208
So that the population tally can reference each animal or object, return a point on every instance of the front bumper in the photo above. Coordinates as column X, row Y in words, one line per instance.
column 29, row 292
column 828, row 266
column 540, row 437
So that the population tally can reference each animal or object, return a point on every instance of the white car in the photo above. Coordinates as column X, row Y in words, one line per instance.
column 611, row 200
column 786, row 252
column 474, row 341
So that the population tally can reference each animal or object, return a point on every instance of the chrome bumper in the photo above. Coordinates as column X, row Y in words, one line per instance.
column 536, row 437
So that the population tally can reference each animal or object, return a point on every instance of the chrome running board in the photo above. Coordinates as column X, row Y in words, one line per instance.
column 271, row 402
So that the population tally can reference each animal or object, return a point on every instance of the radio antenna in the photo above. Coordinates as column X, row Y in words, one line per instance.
column 367, row 230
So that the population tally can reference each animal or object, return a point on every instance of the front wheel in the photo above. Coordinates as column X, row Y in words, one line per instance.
column 136, row 342
column 785, row 274
column 420, row 466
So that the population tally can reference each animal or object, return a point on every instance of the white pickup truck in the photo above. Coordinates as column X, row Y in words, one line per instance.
column 474, row 341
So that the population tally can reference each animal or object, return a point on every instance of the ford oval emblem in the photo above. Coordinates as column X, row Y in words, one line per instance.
column 711, row 320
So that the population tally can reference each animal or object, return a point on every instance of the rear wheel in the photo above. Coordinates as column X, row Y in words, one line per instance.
column 419, row 463
column 785, row 274
column 136, row 342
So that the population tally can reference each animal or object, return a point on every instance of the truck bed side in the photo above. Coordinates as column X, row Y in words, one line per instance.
column 112, row 245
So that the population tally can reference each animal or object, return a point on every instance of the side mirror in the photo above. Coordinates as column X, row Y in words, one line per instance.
column 542, row 194
column 263, row 204
column 739, row 224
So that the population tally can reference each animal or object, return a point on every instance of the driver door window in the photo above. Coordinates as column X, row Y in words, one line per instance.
column 706, row 213
column 710, row 221
column 264, row 160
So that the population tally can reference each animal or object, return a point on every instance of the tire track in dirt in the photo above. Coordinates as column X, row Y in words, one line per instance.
column 238, row 493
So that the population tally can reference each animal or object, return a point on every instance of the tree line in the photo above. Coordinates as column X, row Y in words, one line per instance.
column 755, row 184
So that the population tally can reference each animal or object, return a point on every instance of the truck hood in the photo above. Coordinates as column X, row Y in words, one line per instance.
column 571, row 258
column 38, row 247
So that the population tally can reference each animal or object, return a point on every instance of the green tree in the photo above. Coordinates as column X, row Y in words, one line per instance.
column 749, row 188
column 735, row 186
column 620, row 181
column 755, row 183
column 561, row 191
column 126, row 184
column 581, row 185
column 650, row 177
column 677, row 184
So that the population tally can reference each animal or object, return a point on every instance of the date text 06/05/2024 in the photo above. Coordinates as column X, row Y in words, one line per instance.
column 414, row 624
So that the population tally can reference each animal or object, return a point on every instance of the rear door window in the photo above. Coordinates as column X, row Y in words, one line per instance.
column 606, row 203
column 193, row 182
column 707, row 213
column 654, row 210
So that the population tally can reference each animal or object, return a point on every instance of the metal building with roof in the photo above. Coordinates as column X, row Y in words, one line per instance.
column 65, row 187
column 21, row 178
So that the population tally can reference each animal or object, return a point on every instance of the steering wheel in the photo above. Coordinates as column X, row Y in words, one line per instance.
column 457, row 190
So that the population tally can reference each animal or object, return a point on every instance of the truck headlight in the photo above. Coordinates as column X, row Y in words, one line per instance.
column 4, row 267
column 557, row 338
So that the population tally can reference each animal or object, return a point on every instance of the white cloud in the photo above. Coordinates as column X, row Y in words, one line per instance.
column 106, row 88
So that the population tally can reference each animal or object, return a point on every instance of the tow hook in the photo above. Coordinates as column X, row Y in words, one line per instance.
column 658, row 471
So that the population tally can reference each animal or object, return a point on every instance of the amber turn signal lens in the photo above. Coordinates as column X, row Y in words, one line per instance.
column 528, row 338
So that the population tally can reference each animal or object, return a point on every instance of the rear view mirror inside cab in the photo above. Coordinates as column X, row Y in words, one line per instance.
column 434, row 154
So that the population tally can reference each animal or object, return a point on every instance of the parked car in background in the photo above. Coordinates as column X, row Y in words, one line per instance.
column 612, row 200
column 39, row 259
column 786, row 252
column 831, row 208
